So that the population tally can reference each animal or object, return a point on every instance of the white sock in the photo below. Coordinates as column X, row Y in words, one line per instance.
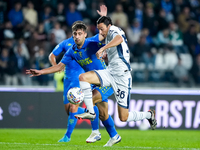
column 115, row 137
column 137, row 116
column 96, row 131
column 86, row 88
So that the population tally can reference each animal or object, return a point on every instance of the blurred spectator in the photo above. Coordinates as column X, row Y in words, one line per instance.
column 30, row 14
column 11, row 70
column 2, row 11
column 161, row 20
column 51, row 3
column 81, row 7
column 34, row 44
column 27, row 31
column 41, row 62
column 23, row 48
column 176, row 38
column 181, row 75
column 46, row 17
column 149, row 20
column 138, row 13
column 178, row 5
column 92, row 13
column 195, row 70
column 184, row 19
column 15, row 15
column 197, row 48
column 72, row 14
column 4, row 57
column 41, row 36
column 167, row 6
column 190, row 39
column 7, row 31
column 149, row 39
column 133, row 33
column 139, row 49
column 60, row 13
column 22, row 65
column 59, row 33
column 119, row 18
column 162, row 38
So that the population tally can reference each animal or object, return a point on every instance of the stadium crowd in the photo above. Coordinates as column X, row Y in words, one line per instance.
column 163, row 36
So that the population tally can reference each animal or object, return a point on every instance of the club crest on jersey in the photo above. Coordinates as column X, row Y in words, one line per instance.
column 80, row 54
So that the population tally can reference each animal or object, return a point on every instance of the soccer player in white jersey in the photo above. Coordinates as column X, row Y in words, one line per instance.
column 117, row 75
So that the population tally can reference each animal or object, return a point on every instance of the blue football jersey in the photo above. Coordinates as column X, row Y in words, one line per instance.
column 86, row 56
column 73, row 69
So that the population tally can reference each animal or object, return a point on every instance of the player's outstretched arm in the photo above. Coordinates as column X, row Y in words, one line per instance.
column 114, row 42
column 103, row 10
column 53, row 69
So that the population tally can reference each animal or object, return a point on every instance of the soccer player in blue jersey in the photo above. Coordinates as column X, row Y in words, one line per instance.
column 84, row 52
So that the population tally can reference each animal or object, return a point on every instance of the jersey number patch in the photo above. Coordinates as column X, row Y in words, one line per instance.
column 120, row 93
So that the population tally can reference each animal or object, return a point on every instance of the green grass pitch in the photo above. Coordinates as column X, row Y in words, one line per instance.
column 131, row 139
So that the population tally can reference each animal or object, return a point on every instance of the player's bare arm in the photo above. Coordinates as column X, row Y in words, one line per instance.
column 115, row 42
column 53, row 69
column 52, row 59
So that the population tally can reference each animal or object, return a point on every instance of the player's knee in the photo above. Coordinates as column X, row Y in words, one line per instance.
column 82, row 77
column 102, row 117
column 123, row 118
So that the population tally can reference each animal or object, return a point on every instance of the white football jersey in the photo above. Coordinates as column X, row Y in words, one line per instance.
column 118, row 56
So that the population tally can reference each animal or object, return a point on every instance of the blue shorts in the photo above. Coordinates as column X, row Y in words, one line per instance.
column 104, row 91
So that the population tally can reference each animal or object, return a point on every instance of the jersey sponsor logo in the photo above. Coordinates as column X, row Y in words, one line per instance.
column 85, row 61
column 69, row 44
column 80, row 54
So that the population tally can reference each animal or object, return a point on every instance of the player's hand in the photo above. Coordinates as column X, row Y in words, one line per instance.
column 99, row 53
column 103, row 10
column 33, row 72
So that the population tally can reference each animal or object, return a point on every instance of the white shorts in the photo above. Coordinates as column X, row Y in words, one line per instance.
column 121, row 85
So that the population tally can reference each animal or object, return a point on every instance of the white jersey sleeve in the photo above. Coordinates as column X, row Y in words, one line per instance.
column 119, row 56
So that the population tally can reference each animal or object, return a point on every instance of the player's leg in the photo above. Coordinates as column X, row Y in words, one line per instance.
column 100, row 95
column 85, row 80
column 108, row 124
column 123, row 97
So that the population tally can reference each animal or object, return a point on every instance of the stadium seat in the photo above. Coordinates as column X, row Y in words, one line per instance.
column 186, row 60
column 170, row 60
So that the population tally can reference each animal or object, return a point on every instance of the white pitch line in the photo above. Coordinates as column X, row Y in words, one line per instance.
column 118, row 147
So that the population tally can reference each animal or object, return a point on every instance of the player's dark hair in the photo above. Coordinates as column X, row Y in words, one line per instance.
column 79, row 25
column 104, row 19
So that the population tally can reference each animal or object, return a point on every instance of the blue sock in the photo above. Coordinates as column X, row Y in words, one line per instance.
column 80, row 110
column 71, row 124
column 95, row 123
column 110, row 127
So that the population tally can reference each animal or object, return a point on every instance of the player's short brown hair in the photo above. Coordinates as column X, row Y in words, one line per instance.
column 79, row 25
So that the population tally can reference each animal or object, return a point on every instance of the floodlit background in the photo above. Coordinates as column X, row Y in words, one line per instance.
column 163, row 38
column 164, row 43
